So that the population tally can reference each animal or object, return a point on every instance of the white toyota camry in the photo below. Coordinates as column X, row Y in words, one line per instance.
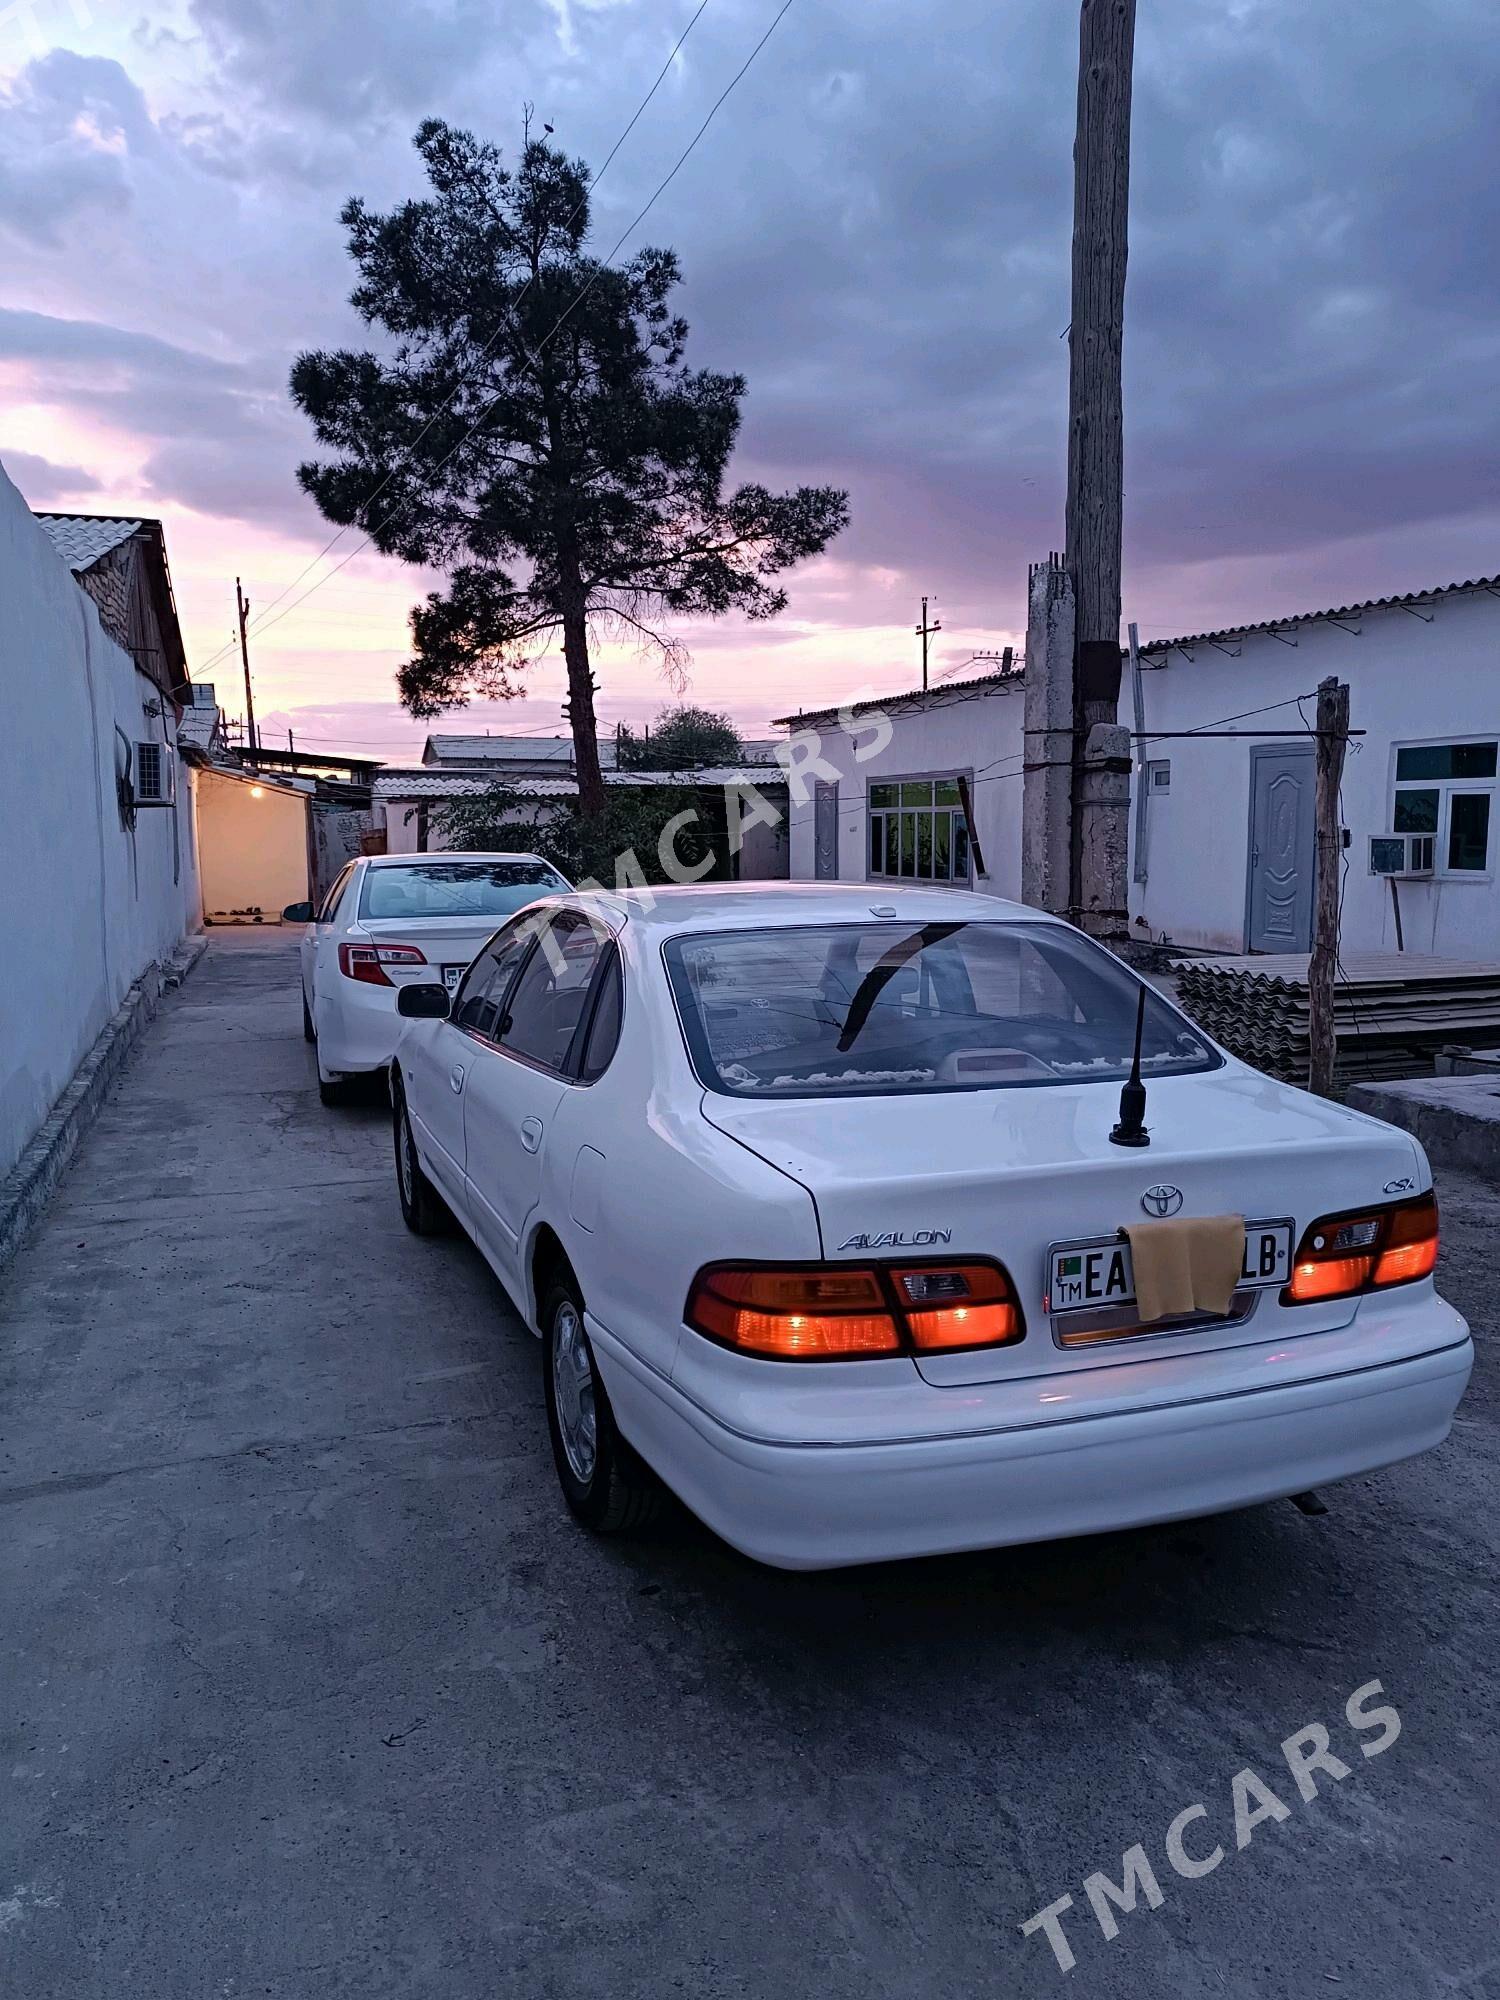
column 827, row 1202
column 388, row 920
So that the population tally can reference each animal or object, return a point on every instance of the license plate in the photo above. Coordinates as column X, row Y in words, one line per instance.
column 451, row 976
column 1098, row 1272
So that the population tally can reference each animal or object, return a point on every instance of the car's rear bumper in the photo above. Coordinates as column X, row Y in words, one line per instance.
column 358, row 1027
column 814, row 1505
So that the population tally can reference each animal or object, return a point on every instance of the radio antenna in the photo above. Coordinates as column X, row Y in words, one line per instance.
column 1131, row 1128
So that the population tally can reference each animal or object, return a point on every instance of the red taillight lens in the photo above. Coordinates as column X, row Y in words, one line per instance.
column 367, row 962
column 819, row 1315
column 844, row 1311
column 949, row 1307
column 1344, row 1255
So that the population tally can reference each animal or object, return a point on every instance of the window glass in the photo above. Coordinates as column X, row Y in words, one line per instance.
column 335, row 895
column 604, row 1029
column 1416, row 812
column 479, row 1000
column 862, row 1009
column 457, row 888
column 917, row 830
column 547, row 1000
column 1468, row 830
column 1446, row 760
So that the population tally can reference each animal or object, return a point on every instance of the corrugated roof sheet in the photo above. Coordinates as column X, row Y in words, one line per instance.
column 431, row 784
column 931, row 697
column 81, row 539
column 1409, row 598
column 509, row 749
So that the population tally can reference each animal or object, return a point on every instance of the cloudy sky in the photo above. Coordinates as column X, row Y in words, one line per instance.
column 874, row 230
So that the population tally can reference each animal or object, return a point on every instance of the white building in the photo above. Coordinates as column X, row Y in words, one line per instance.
column 888, row 803
column 101, row 875
column 1222, row 849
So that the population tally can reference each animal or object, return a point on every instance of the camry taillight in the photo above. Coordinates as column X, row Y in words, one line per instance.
column 827, row 1312
column 1366, row 1250
column 367, row 962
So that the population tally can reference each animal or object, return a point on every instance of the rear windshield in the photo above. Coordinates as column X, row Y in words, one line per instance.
column 456, row 888
column 863, row 1009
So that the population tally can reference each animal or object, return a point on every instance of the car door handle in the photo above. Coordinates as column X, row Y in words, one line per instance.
column 531, row 1133
column 456, row 1076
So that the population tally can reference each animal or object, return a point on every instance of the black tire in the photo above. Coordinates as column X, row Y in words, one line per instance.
column 337, row 1091
column 309, row 1032
column 606, row 1484
column 423, row 1209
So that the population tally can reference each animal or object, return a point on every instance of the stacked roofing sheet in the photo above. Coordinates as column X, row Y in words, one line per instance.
column 1393, row 1011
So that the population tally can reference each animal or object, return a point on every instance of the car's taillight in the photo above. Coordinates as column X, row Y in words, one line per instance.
column 367, row 962
column 828, row 1312
column 1366, row 1251
column 833, row 1311
column 953, row 1306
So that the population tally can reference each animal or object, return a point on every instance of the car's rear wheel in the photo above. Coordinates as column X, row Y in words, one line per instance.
column 606, row 1484
column 423, row 1209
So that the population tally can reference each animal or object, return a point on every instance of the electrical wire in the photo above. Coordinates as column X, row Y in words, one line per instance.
column 572, row 307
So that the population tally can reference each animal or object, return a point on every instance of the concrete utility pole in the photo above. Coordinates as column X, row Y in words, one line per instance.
column 1047, row 781
column 242, row 606
column 924, row 632
column 1332, row 739
column 1101, row 202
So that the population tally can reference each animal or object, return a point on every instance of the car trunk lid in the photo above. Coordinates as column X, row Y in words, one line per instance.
column 1006, row 1173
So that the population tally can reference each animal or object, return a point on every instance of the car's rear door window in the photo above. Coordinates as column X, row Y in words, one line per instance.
column 888, row 1007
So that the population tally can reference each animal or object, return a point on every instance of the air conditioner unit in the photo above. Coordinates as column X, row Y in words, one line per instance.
column 155, row 774
column 1402, row 854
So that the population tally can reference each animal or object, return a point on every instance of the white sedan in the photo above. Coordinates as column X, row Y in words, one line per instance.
column 390, row 919
column 811, row 1194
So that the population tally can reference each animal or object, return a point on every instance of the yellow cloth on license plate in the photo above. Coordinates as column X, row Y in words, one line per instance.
column 1190, row 1264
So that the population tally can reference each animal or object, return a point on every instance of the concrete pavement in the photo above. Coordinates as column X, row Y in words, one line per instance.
column 311, row 1686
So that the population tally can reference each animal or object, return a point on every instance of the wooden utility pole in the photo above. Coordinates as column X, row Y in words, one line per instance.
column 924, row 632
column 1332, row 737
column 1101, row 204
column 242, row 606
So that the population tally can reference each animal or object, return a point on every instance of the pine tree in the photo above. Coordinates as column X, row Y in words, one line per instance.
column 533, row 430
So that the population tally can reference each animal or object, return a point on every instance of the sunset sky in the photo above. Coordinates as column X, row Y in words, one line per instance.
column 874, row 230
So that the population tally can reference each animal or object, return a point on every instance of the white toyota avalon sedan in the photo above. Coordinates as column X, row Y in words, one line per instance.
column 812, row 1195
column 390, row 919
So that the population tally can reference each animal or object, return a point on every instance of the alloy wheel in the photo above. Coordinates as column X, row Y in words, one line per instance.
column 573, row 1389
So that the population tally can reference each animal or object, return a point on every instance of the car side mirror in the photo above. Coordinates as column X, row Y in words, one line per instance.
column 423, row 1003
column 297, row 913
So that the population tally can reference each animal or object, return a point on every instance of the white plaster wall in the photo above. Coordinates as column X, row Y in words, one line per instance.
column 85, row 905
column 254, row 848
column 1409, row 681
column 978, row 735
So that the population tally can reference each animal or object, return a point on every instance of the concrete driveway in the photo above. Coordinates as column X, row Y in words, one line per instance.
column 311, row 1687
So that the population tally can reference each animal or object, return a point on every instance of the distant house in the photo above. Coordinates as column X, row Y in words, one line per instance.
column 523, row 756
column 1221, row 825
column 408, row 799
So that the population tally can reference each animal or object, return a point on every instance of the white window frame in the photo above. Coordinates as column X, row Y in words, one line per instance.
column 1446, row 788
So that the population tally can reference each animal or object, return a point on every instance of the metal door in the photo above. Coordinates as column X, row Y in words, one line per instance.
column 1282, row 830
column 826, row 831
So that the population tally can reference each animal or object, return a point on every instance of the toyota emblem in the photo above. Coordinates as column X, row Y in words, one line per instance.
column 1161, row 1201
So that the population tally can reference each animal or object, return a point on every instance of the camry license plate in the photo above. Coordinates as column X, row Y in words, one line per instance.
column 451, row 976
column 1098, row 1272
